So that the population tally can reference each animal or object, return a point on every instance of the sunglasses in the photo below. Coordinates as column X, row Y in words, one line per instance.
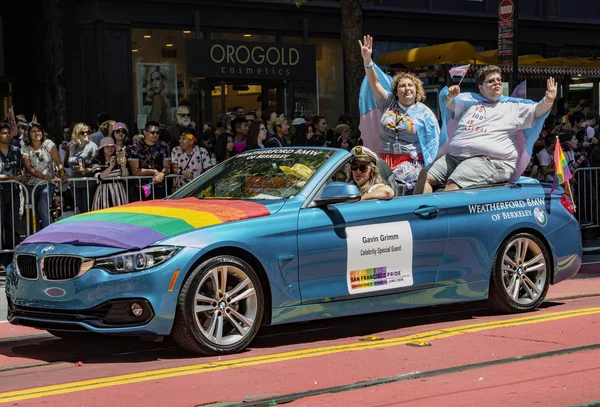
column 360, row 167
column 492, row 80
column 81, row 133
column 153, row 132
column 183, row 114
column 120, row 131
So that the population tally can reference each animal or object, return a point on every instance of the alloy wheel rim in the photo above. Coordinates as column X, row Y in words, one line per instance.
column 524, row 271
column 225, row 305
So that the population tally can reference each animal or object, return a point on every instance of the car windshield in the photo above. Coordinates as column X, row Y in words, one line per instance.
column 258, row 175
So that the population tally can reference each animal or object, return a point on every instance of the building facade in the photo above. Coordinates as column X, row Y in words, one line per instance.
column 139, row 59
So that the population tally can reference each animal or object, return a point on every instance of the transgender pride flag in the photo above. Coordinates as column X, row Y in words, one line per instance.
column 459, row 70
column 370, row 115
column 520, row 91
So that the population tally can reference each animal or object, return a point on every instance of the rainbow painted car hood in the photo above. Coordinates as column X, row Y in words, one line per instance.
column 139, row 224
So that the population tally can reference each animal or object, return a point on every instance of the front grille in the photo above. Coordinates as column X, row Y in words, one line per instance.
column 27, row 264
column 61, row 267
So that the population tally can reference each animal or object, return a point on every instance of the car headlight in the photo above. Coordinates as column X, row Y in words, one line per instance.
column 130, row 262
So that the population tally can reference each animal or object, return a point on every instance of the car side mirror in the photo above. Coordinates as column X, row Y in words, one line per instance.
column 338, row 192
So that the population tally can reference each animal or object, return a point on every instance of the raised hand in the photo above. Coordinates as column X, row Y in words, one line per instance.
column 366, row 48
column 550, row 90
column 453, row 91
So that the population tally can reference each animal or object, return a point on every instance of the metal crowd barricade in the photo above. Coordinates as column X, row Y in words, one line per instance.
column 137, row 188
column 14, row 200
column 585, row 191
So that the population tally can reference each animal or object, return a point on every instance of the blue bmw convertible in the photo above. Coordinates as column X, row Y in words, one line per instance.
column 276, row 236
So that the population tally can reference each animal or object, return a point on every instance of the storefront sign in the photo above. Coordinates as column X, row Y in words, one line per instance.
column 250, row 60
column 506, row 33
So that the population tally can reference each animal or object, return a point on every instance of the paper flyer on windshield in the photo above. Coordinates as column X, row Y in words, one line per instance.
column 379, row 257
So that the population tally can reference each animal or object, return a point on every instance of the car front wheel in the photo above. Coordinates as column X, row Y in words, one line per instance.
column 520, row 274
column 220, row 307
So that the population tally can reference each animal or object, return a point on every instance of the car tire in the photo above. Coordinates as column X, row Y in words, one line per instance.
column 216, row 320
column 520, row 275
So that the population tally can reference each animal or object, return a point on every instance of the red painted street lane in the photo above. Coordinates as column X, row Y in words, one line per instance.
column 259, row 379
column 548, row 382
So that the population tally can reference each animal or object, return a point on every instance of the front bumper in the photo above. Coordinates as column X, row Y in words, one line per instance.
column 111, row 314
column 101, row 302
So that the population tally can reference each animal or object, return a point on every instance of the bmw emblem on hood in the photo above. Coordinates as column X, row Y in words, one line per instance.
column 540, row 216
column 47, row 249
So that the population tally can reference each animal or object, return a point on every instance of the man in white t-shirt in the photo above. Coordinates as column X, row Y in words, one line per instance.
column 483, row 149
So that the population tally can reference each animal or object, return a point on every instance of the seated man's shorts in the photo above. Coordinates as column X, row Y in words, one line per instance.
column 468, row 172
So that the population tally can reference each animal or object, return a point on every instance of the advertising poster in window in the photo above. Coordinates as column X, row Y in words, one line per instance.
column 157, row 93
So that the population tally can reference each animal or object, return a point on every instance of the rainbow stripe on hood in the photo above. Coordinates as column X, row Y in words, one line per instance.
column 139, row 224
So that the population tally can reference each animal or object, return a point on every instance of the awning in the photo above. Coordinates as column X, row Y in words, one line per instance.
column 461, row 52
column 448, row 53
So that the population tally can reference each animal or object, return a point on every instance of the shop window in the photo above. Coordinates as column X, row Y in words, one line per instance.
column 161, row 54
column 325, row 95
column 160, row 82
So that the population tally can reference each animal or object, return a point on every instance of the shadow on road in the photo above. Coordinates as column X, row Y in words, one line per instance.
column 113, row 349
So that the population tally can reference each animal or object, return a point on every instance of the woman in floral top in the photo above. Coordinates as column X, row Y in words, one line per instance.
column 42, row 162
column 188, row 159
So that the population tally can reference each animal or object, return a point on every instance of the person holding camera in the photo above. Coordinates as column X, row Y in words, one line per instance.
column 108, row 168
column 342, row 136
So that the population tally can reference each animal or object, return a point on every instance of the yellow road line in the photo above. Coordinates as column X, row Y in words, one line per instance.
column 284, row 356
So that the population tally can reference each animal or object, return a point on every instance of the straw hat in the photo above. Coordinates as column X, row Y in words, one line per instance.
column 299, row 171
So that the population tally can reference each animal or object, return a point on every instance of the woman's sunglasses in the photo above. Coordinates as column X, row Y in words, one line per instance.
column 39, row 156
column 360, row 167
column 120, row 131
column 83, row 133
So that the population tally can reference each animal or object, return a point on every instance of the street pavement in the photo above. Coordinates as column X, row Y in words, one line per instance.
column 450, row 355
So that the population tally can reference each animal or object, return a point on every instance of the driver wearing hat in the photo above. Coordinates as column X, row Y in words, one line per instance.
column 365, row 174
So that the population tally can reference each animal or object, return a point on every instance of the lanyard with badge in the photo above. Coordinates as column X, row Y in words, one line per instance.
column 403, row 124
column 397, row 147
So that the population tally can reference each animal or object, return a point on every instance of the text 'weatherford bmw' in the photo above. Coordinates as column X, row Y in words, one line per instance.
column 274, row 236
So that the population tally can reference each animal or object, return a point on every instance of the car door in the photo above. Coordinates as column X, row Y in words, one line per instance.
column 478, row 220
column 370, row 248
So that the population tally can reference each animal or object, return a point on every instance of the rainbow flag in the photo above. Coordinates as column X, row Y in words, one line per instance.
column 139, row 224
column 565, row 118
column 10, row 118
column 562, row 173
